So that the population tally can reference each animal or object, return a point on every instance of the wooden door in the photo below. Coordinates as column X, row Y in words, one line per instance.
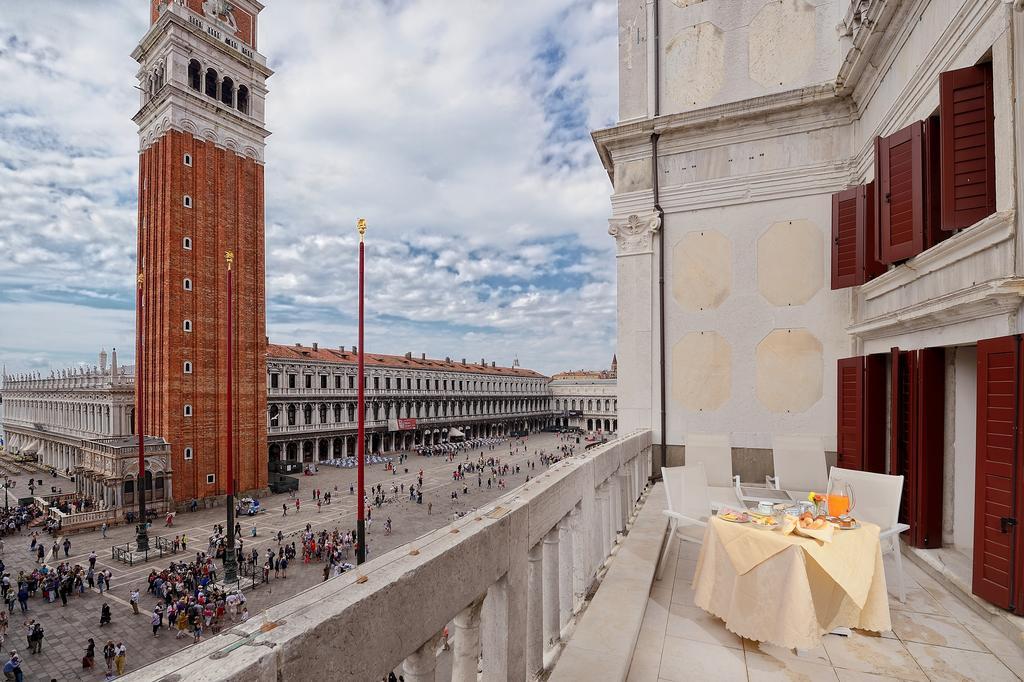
column 928, row 453
column 997, row 538
column 901, row 431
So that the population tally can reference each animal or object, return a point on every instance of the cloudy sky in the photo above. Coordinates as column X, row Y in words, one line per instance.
column 458, row 128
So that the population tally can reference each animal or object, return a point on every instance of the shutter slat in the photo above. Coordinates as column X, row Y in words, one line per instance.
column 967, row 146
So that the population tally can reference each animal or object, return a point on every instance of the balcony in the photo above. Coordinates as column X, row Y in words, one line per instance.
column 510, row 580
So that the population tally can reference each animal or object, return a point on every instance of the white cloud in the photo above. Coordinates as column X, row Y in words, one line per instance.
column 458, row 129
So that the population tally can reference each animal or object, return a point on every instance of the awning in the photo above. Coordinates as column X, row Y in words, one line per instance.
column 454, row 432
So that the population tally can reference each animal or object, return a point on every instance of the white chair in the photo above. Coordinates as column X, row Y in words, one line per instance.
column 800, row 464
column 715, row 453
column 877, row 500
column 689, row 506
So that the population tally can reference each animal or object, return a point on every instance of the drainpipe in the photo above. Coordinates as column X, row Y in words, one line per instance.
column 655, row 189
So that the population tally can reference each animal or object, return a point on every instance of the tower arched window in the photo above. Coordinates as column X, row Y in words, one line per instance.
column 195, row 71
column 187, row 284
column 227, row 91
column 187, row 159
column 186, row 243
column 186, row 201
column 243, row 99
column 188, row 453
column 187, row 367
column 187, row 325
column 187, row 411
column 211, row 83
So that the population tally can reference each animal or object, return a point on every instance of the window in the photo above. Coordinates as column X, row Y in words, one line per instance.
column 186, row 243
column 187, row 159
column 351, row 382
column 418, row 384
column 387, row 383
column 376, row 383
column 337, row 381
column 187, row 325
column 195, row 71
column 187, row 411
column 188, row 453
column 309, row 380
column 227, row 91
column 854, row 237
column 187, row 367
column 967, row 142
column 187, row 284
column 187, row 201
column 275, row 380
column 291, row 381
column 211, row 83
column 243, row 99
column 323, row 381
column 210, row 478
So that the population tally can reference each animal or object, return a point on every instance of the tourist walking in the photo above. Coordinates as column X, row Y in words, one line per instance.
column 134, row 600
column 35, row 638
column 12, row 668
column 109, row 651
column 120, row 658
column 89, row 659
column 105, row 614
column 157, row 620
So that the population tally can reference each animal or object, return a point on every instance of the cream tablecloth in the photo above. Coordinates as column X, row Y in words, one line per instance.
column 790, row 590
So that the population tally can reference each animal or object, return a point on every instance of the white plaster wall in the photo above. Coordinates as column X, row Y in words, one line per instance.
column 745, row 318
column 634, row 350
column 959, row 491
column 734, row 44
column 632, row 59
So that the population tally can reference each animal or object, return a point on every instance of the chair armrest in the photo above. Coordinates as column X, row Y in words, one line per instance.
column 895, row 530
column 685, row 520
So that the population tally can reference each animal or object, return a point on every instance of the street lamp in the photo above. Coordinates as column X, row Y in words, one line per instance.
column 8, row 484
column 230, row 558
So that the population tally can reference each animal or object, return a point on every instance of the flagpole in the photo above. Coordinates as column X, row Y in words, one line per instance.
column 361, row 409
column 142, row 534
column 230, row 563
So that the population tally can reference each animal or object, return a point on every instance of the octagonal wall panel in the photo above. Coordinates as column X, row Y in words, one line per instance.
column 701, row 371
column 782, row 43
column 791, row 262
column 790, row 368
column 702, row 270
column 694, row 66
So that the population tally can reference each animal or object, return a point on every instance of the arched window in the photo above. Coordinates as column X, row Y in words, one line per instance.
column 307, row 414
column 194, row 74
column 187, row 284
column 291, row 415
column 337, row 412
column 186, row 243
column 227, row 91
column 275, row 415
column 187, row 159
column 187, row 367
column 186, row 201
column 187, row 410
column 188, row 453
column 211, row 83
column 187, row 325
column 243, row 99
column 323, row 413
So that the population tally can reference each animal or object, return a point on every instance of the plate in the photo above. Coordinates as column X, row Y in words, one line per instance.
column 734, row 518
column 855, row 526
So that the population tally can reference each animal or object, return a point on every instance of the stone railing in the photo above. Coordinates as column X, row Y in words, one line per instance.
column 507, row 580
column 72, row 521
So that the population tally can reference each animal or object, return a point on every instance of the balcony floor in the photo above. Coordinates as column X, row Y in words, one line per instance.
column 935, row 637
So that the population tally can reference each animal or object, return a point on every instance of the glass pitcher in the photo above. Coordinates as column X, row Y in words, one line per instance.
column 840, row 497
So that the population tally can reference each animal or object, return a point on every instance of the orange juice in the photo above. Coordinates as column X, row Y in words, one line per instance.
column 838, row 505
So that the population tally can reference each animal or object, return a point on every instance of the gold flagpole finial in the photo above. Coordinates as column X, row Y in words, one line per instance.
column 139, row 280
column 361, row 226
column 229, row 256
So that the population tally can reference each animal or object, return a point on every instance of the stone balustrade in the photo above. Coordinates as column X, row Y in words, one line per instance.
column 506, row 581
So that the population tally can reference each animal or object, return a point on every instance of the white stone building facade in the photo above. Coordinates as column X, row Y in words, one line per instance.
column 586, row 400
column 829, row 191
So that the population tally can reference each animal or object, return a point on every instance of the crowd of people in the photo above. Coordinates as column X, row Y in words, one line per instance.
column 451, row 448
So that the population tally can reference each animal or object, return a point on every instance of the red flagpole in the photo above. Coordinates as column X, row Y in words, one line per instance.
column 361, row 436
column 230, row 565
column 142, row 534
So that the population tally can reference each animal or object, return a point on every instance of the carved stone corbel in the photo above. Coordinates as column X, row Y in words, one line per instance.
column 634, row 234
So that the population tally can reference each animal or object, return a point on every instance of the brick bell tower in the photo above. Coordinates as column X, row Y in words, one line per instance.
column 201, row 146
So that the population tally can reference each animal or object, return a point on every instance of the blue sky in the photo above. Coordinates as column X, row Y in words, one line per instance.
column 459, row 129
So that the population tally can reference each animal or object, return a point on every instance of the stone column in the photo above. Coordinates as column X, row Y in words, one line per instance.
column 419, row 665
column 579, row 562
column 467, row 643
column 534, row 612
column 330, row 448
column 623, row 479
column 601, row 524
column 551, row 629
column 565, row 573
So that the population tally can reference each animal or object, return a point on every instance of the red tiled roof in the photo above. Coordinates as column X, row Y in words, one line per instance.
column 298, row 352
column 584, row 374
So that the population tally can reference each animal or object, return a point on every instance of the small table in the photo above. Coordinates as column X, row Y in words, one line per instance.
column 790, row 590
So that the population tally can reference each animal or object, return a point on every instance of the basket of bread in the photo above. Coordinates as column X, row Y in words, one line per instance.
column 811, row 526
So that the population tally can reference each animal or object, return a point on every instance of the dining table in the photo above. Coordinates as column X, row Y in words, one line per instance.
column 788, row 589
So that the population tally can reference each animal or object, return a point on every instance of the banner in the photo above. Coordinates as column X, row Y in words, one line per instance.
column 401, row 425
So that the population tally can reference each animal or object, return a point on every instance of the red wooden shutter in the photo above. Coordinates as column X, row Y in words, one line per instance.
column 875, row 389
column 899, row 177
column 927, row 455
column 850, row 417
column 901, row 432
column 868, row 264
column 998, row 454
column 844, row 239
column 968, row 146
column 933, row 232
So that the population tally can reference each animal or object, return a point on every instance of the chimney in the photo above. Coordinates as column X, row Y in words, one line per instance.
column 423, row 356
column 408, row 356
column 298, row 345
column 463, row 361
column 355, row 349
column 492, row 363
column 315, row 347
column 483, row 363
column 447, row 359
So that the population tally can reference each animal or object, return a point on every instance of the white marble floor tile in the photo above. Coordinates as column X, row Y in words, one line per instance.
column 942, row 663
column 686, row 660
column 933, row 629
column 876, row 655
column 690, row 622
column 762, row 668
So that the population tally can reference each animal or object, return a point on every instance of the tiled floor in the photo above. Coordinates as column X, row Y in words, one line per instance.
column 935, row 637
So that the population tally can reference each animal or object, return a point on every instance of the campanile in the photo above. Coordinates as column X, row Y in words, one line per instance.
column 201, row 147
